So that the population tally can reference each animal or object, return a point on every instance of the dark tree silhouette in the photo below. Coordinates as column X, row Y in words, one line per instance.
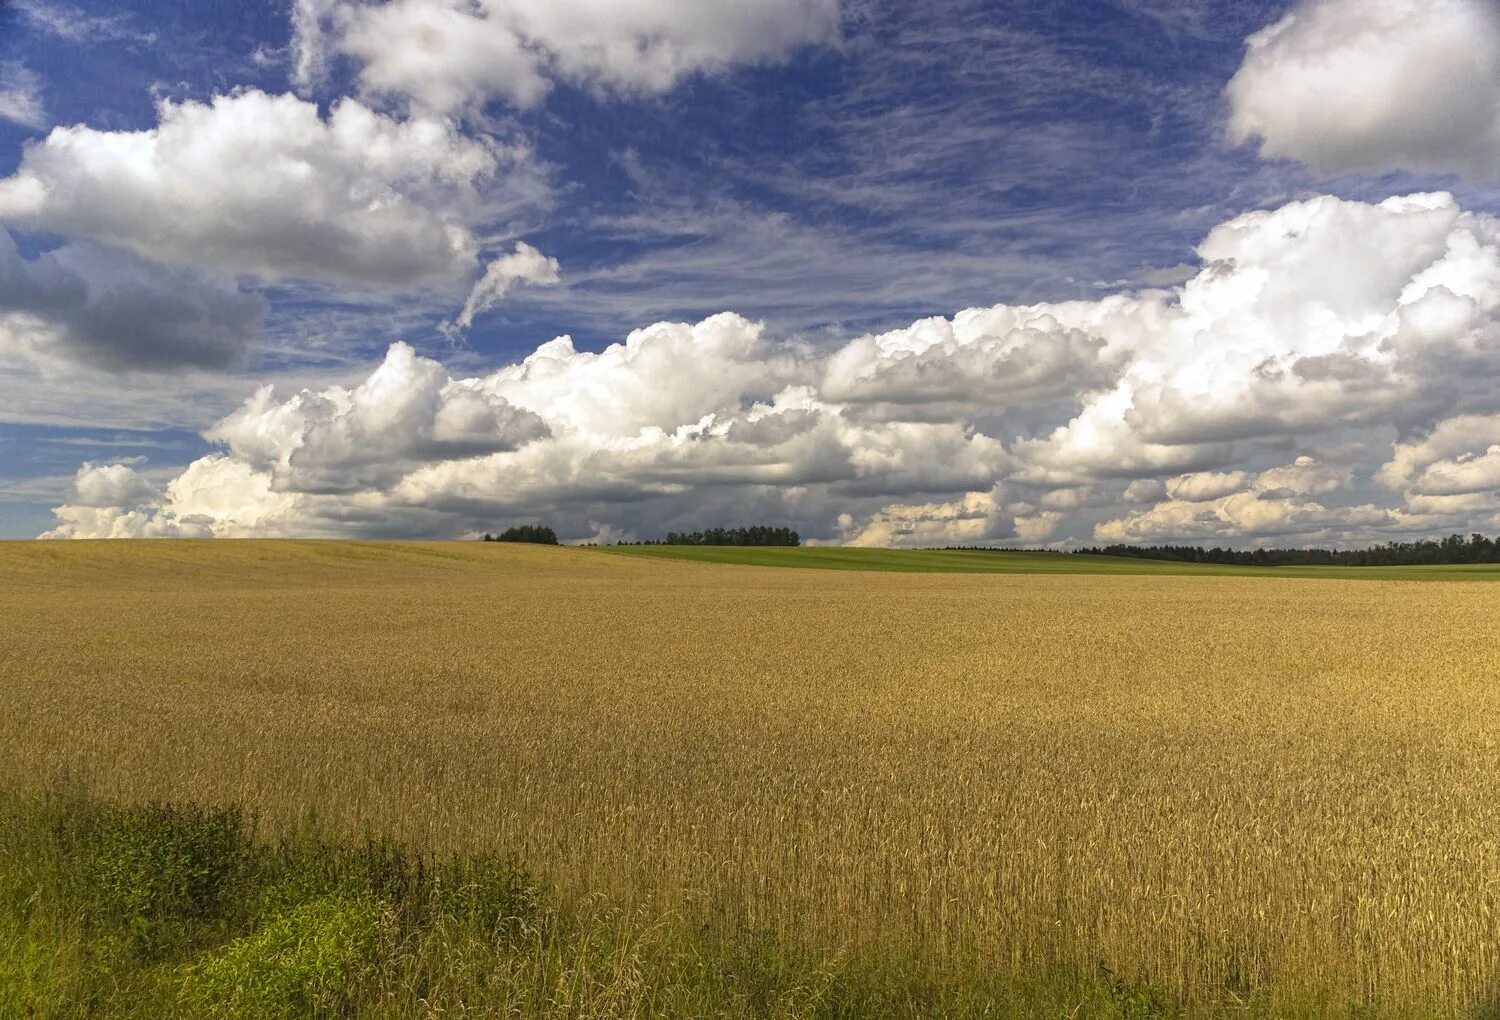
column 1453, row 549
column 754, row 535
column 535, row 533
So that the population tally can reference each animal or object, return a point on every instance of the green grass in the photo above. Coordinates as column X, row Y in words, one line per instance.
column 218, row 922
column 157, row 910
column 967, row 561
column 294, row 562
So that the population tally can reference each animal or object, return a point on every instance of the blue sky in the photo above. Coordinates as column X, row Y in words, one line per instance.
column 850, row 169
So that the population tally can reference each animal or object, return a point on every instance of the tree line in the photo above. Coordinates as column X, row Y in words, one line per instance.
column 1423, row 552
column 535, row 533
column 754, row 535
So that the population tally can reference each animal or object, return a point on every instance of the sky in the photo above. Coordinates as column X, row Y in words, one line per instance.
column 890, row 272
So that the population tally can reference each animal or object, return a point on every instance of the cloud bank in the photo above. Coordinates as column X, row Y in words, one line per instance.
column 1328, row 374
column 1375, row 86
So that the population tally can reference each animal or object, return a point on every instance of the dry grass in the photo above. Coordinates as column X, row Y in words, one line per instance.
column 1285, row 791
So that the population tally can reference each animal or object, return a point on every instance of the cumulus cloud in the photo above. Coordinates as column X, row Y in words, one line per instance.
column 1329, row 374
column 996, row 357
column 111, row 485
column 1320, row 315
column 1205, row 485
column 213, row 497
column 1212, row 506
column 1375, row 85
column 523, row 266
column 449, row 55
column 340, row 440
column 1305, row 476
column 1479, row 472
column 263, row 185
column 972, row 519
column 1248, row 515
column 111, row 310
column 1452, row 470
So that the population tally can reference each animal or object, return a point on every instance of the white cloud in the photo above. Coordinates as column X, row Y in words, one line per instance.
column 262, row 185
column 1477, row 473
column 341, row 440
column 523, row 266
column 21, row 95
column 1236, row 504
column 308, row 56
column 1037, row 527
column 111, row 485
column 1375, row 85
column 1246, row 515
column 1205, row 485
column 449, row 55
column 442, row 55
column 1455, row 467
column 1320, row 315
column 1327, row 375
column 1305, row 476
column 661, row 377
column 213, row 497
column 75, row 520
column 989, row 356
column 967, row 521
column 1451, row 441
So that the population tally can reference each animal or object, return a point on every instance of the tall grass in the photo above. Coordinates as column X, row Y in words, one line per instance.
column 158, row 910
column 766, row 791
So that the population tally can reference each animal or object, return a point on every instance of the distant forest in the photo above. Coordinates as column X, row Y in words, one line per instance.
column 1453, row 549
column 756, row 535
column 534, row 533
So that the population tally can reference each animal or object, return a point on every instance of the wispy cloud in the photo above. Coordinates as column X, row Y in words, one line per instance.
column 967, row 155
column 21, row 95
column 74, row 25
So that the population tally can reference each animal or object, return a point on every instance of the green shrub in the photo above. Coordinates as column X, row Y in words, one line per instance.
column 1136, row 1001
column 142, row 868
column 496, row 897
column 485, row 892
column 304, row 962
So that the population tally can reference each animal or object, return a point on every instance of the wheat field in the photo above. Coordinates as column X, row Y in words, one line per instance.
column 1240, row 791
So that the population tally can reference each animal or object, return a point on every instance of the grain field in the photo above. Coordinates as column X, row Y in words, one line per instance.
column 1235, row 790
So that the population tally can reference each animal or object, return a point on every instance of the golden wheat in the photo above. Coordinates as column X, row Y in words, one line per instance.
column 1209, row 784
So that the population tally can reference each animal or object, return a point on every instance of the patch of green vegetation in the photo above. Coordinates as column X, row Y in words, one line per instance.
column 177, row 910
column 155, row 873
column 310, row 926
column 978, row 561
column 302, row 962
